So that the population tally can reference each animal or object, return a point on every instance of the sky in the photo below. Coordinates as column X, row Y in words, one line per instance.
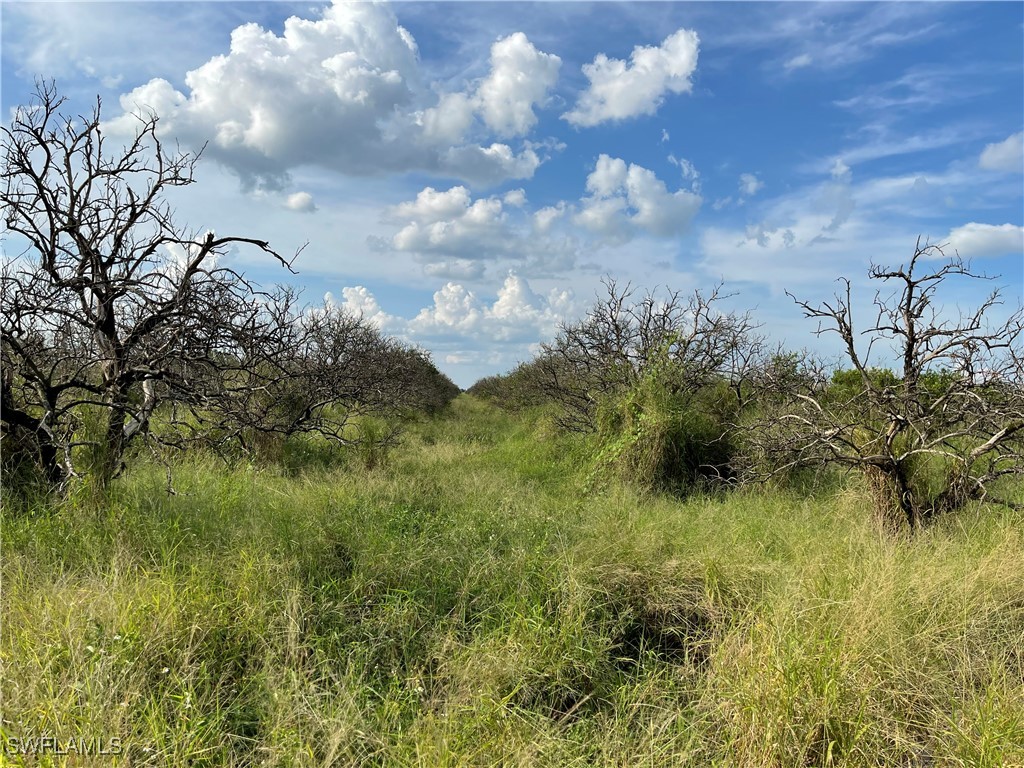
column 465, row 174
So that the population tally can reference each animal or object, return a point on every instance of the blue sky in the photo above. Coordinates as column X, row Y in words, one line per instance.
column 466, row 173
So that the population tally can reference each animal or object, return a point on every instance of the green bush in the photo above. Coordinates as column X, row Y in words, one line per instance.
column 664, row 435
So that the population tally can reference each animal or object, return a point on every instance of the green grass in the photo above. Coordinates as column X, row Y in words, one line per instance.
column 469, row 602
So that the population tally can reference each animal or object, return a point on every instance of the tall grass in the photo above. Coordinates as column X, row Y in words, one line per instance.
column 465, row 602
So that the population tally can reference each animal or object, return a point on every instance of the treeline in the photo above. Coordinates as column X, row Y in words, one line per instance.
column 121, row 329
column 242, row 385
column 678, row 393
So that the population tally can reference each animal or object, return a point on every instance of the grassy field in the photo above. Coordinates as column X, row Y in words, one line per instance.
column 478, row 599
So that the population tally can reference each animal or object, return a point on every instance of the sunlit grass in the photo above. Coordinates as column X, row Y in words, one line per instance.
column 467, row 602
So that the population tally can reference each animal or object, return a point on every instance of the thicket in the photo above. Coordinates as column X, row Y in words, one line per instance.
column 657, row 380
column 677, row 393
column 120, row 328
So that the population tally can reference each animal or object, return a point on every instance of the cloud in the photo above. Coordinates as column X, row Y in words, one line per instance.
column 465, row 328
column 619, row 90
column 810, row 235
column 456, row 269
column 792, row 247
column 658, row 211
column 838, row 194
column 1007, row 155
column 817, row 229
column 975, row 240
column 545, row 218
column 608, row 176
column 300, row 201
column 66, row 40
column 831, row 35
column 452, row 233
column 456, row 312
column 687, row 169
column 517, row 314
column 798, row 62
column 451, row 223
column 515, row 198
column 432, row 205
column 351, row 69
column 605, row 217
column 632, row 198
column 839, row 170
column 489, row 165
column 360, row 302
column 345, row 92
column 750, row 184
column 450, row 120
column 885, row 144
column 520, row 78
column 921, row 88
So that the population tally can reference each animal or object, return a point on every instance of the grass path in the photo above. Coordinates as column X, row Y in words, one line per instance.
column 476, row 602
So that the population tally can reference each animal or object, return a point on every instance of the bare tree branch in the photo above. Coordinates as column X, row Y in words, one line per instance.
column 932, row 436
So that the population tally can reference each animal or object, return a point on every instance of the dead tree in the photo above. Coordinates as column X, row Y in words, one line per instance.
column 624, row 337
column 319, row 372
column 108, row 303
column 937, row 430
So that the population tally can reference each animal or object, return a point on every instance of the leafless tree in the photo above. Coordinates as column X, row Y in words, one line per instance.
column 624, row 336
column 112, row 311
column 109, row 301
column 937, row 431
column 320, row 371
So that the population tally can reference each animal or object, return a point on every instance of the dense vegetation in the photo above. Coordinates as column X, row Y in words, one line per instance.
column 240, row 530
column 122, row 330
column 682, row 393
column 470, row 603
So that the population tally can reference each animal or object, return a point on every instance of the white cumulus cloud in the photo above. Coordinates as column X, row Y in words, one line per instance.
column 432, row 205
column 451, row 223
column 351, row 69
column 489, row 165
column 515, row 198
column 518, row 314
column 619, row 90
column 608, row 176
column 359, row 301
column 346, row 92
column 300, row 201
column 466, row 328
column 975, row 240
column 520, row 77
column 1007, row 155
column 452, row 233
column 450, row 120
column 632, row 198
column 659, row 211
